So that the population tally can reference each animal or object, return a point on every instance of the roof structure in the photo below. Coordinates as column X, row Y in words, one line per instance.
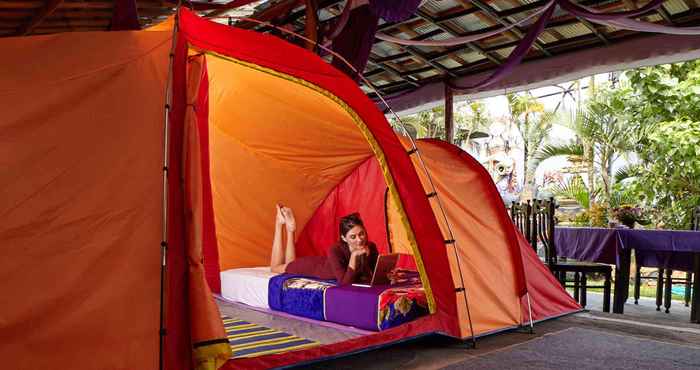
column 391, row 68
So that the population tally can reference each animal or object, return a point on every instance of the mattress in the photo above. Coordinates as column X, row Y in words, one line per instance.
column 369, row 308
column 247, row 285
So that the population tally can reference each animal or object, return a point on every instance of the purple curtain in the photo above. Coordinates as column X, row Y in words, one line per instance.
column 394, row 10
column 124, row 16
column 355, row 41
column 580, row 11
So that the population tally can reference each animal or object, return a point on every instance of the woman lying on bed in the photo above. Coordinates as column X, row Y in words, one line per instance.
column 350, row 260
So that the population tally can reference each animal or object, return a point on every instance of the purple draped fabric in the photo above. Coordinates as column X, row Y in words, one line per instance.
column 653, row 248
column 124, row 16
column 626, row 23
column 394, row 10
column 584, row 12
column 639, row 26
column 586, row 244
column 662, row 248
column 354, row 306
column 515, row 56
column 355, row 41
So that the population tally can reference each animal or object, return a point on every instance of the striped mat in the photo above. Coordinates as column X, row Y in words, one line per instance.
column 250, row 340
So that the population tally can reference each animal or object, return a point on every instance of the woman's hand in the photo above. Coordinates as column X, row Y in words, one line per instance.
column 356, row 254
column 359, row 251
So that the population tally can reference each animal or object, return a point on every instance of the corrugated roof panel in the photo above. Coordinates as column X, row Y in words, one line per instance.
column 519, row 16
column 505, row 52
column 546, row 37
column 428, row 49
column 500, row 5
column 442, row 36
column 573, row 30
column 427, row 74
column 439, row 6
column 448, row 62
column 405, row 64
column 611, row 29
column 324, row 13
column 425, row 28
column 655, row 17
column 675, row 6
column 470, row 56
column 383, row 49
column 469, row 22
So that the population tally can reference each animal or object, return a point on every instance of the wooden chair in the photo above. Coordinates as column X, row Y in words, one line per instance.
column 665, row 280
column 521, row 214
column 543, row 222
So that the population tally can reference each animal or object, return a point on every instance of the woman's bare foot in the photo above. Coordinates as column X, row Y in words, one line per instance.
column 289, row 219
column 279, row 218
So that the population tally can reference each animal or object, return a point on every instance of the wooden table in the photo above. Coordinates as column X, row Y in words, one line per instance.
column 669, row 249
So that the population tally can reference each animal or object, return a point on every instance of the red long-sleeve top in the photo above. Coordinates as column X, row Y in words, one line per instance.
column 336, row 265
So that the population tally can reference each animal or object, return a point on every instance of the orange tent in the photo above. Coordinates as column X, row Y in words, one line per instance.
column 118, row 221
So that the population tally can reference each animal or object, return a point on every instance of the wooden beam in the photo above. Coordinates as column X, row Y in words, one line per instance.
column 311, row 24
column 449, row 114
column 44, row 13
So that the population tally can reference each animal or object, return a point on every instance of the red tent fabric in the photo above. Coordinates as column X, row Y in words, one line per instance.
column 253, row 121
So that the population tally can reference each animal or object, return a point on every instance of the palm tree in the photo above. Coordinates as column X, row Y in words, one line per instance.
column 534, row 124
column 603, row 136
column 469, row 125
column 426, row 124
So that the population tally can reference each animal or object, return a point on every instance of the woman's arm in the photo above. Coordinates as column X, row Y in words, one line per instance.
column 344, row 274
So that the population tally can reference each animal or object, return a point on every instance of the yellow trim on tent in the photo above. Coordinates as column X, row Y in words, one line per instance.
column 211, row 356
column 379, row 154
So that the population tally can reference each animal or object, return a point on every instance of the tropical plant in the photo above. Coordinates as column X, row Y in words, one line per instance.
column 429, row 123
column 470, row 125
column 598, row 214
column 670, row 173
column 574, row 188
column 603, row 135
column 534, row 123
column 628, row 215
column 665, row 102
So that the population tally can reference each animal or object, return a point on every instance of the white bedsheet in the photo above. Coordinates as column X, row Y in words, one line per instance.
column 247, row 285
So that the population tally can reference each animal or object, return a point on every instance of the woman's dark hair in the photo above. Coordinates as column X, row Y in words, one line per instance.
column 348, row 222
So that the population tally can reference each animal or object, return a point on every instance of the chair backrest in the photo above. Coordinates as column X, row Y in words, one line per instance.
column 543, row 222
column 521, row 214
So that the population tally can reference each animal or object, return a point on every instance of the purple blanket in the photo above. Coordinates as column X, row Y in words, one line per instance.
column 375, row 308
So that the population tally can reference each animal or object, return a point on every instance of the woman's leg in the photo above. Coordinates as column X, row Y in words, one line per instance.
column 290, row 222
column 277, row 259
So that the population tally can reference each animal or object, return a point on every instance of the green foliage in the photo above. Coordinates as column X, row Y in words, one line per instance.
column 582, row 219
column 574, row 189
column 598, row 214
column 627, row 171
column 468, row 125
column 534, row 123
column 572, row 150
column 622, row 193
column 670, row 174
column 665, row 102
column 426, row 124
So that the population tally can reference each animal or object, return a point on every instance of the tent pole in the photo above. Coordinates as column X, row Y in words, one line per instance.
column 166, row 162
column 413, row 147
column 529, row 310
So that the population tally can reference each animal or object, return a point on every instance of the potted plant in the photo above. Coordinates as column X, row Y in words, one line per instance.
column 628, row 215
